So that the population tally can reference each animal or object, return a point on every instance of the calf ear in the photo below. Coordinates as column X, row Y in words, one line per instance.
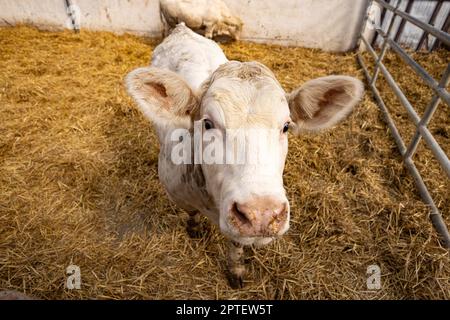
column 162, row 96
column 323, row 102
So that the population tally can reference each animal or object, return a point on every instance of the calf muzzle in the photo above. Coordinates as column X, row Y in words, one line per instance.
column 259, row 217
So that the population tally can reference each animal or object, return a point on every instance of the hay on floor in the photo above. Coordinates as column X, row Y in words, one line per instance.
column 78, row 185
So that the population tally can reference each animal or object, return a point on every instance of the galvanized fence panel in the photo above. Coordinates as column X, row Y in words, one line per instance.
column 388, row 41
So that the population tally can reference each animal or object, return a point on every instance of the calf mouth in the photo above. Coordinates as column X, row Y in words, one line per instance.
column 252, row 241
column 240, row 236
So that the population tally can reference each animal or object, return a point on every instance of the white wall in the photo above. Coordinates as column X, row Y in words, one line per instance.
column 45, row 13
column 135, row 16
column 326, row 24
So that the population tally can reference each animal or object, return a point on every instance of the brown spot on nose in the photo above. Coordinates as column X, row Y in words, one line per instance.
column 260, row 216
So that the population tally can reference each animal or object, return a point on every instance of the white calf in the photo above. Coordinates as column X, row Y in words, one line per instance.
column 192, row 85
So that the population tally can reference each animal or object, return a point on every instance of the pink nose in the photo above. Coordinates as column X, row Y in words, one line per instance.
column 262, row 216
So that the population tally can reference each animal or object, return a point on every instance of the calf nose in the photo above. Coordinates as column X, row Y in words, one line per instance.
column 262, row 216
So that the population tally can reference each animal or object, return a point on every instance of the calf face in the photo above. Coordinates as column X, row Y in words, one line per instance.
column 242, row 103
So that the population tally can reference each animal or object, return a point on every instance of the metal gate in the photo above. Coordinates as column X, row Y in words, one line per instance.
column 421, row 123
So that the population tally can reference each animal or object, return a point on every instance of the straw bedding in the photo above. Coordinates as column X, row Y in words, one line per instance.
column 78, row 185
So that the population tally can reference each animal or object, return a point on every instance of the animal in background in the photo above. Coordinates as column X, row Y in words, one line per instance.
column 210, row 18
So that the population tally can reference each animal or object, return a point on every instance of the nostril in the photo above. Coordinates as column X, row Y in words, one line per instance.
column 280, row 213
column 241, row 215
column 281, row 210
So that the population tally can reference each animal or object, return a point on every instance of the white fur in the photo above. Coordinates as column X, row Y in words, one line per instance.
column 190, row 55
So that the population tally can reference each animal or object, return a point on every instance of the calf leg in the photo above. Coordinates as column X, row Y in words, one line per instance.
column 193, row 226
column 235, row 265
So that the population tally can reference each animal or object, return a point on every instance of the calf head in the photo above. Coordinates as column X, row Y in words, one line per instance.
column 243, row 109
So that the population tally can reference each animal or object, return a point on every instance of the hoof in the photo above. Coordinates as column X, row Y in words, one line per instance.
column 196, row 229
column 194, row 233
column 235, row 281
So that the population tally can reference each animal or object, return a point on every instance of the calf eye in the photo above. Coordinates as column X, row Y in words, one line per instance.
column 208, row 124
column 286, row 127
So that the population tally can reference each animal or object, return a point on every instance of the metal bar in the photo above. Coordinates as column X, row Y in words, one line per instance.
column 398, row 139
column 364, row 23
column 445, row 28
column 394, row 86
column 385, row 44
column 435, row 215
column 429, row 111
column 429, row 80
column 403, row 22
column 441, row 35
column 436, row 149
column 431, row 21
column 382, row 16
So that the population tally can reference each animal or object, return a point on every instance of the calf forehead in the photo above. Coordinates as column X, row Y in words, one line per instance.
column 247, row 95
